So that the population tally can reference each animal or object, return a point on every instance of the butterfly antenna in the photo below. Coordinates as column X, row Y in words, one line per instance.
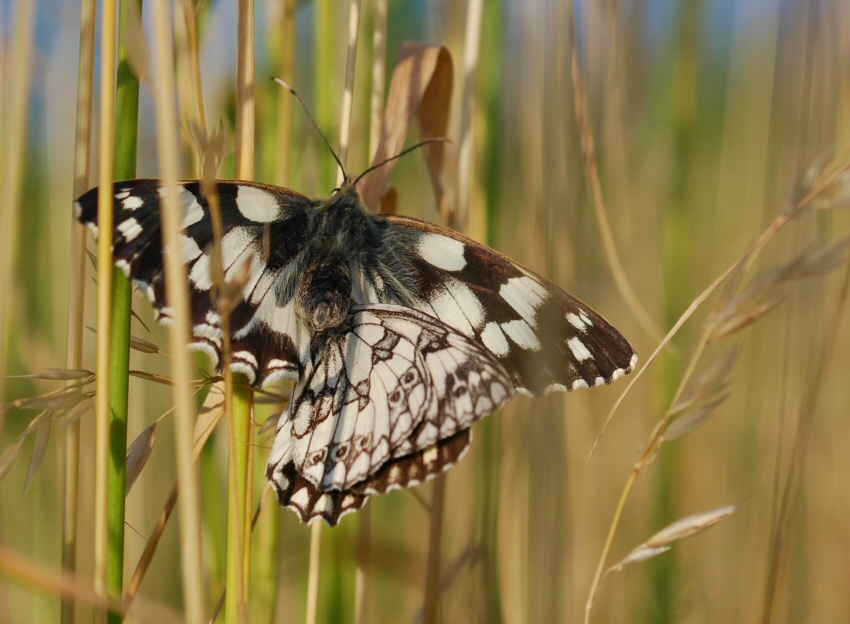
column 289, row 88
column 400, row 154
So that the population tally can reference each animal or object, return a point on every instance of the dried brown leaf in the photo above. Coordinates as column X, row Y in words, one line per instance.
column 38, row 449
column 691, row 419
column 421, row 86
column 138, row 455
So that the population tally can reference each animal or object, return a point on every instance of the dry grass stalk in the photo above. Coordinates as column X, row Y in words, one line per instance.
column 177, row 293
column 16, row 88
column 104, row 293
column 76, row 290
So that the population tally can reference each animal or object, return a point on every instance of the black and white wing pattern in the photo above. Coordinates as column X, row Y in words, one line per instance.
column 401, row 334
column 385, row 402
column 269, row 339
column 545, row 338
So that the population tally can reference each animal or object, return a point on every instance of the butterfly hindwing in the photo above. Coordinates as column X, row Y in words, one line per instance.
column 545, row 338
column 388, row 383
column 264, row 230
column 310, row 503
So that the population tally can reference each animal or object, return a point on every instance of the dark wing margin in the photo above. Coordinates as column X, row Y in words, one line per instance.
column 264, row 226
column 544, row 337
column 310, row 503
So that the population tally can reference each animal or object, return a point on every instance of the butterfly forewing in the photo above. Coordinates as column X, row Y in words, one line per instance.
column 544, row 337
column 264, row 229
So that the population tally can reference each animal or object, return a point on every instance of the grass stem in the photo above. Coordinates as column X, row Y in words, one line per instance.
column 104, row 296
column 76, row 291
column 177, row 294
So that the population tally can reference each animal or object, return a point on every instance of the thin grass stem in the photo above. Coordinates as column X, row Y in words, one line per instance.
column 104, row 296
column 76, row 292
column 376, row 106
column 15, row 103
column 177, row 293
column 126, row 131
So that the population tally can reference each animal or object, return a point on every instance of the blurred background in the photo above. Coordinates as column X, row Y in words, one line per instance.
column 710, row 118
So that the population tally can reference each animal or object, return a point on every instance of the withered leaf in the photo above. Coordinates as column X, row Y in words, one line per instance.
column 421, row 86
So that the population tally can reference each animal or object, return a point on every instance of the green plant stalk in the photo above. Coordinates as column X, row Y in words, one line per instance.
column 126, row 132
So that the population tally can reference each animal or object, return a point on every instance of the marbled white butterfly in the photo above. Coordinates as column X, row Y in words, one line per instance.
column 399, row 333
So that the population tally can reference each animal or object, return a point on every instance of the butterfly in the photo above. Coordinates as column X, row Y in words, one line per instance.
column 399, row 333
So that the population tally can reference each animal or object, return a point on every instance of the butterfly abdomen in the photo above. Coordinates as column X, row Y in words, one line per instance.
column 325, row 292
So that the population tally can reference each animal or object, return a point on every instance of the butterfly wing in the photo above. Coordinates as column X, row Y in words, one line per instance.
column 544, row 337
column 380, row 399
column 265, row 228
column 310, row 503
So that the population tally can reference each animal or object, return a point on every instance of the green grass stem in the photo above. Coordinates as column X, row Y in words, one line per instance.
column 126, row 133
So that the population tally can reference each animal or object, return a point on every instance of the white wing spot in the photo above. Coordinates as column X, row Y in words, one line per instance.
column 458, row 307
column 585, row 318
column 441, row 251
column 130, row 228
column 522, row 334
column 524, row 295
column 494, row 339
column 576, row 321
column 256, row 204
column 132, row 202
column 599, row 381
column 190, row 249
column 579, row 350
column 579, row 383
column 200, row 273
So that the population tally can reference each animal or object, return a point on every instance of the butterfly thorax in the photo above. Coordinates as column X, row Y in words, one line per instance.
column 340, row 236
